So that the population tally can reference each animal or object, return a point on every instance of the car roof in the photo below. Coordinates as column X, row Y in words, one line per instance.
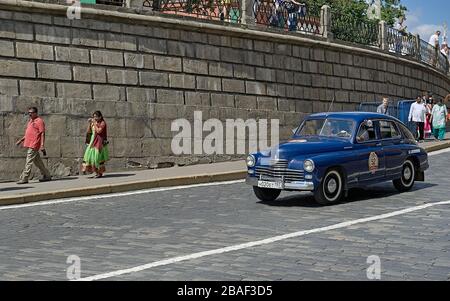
column 356, row 116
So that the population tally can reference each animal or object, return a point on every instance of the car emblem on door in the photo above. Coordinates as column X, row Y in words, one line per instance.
column 373, row 162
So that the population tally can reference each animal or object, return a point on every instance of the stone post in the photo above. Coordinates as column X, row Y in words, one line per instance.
column 417, row 46
column 247, row 14
column 325, row 22
column 382, row 40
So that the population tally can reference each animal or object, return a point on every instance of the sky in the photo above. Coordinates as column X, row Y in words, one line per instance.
column 426, row 16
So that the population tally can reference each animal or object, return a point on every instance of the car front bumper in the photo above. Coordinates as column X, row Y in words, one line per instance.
column 300, row 186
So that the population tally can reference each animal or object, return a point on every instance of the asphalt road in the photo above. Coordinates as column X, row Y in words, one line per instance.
column 150, row 231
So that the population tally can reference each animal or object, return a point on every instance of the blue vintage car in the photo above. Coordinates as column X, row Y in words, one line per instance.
column 331, row 153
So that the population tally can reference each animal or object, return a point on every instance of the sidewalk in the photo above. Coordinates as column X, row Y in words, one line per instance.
column 11, row 193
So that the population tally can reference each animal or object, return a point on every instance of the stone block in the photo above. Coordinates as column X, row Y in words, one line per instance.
column 9, row 87
column 7, row 48
column 197, row 99
column 233, row 85
column 109, row 58
column 90, row 38
column 135, row 128
column 257, row 88
column 156, row 79
column 89, row 74
column 120, row 41
column 207, row 52
column 54, row 71
column 167, row 63
column 134, row 60
column 17, row 68
column 169, row 96
column 265, row 74
column 122, row 77
column 286, row 105
column 34, row 51
column 52, row 34
column 195, row 66
column 71, row 90
column 182, row 81
column 37, row 88
column 110, row 93
column 70, row 54
column 263, row 46
column 245, row 102
column 243, row 71
column 180, row 49
column 220, row 69
column 267, row 103
column 231, row 55
column 151, row 45
column 141, row 95
column 209, row 83
column 222, row 100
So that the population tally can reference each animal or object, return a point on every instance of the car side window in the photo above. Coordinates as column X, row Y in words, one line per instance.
column 406, row 132
column 366, row 132
column 389, row 130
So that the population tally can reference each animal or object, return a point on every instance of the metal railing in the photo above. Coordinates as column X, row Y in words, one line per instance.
column 431, row 55
column 286, row 15
column 401, row 42
column 219, row 10
column 365, row 33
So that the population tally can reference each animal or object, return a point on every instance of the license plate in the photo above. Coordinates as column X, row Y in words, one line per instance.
column 272, row 185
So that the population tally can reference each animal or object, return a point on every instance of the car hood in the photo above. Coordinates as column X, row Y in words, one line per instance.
column 308, row 146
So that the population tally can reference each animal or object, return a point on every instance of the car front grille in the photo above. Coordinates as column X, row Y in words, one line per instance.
column 279, row 171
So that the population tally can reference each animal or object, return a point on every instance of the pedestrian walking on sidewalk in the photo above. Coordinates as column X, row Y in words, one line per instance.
column 384, row 107
column 96, row 153
column 34, row 140
column 417, row 114
column 439, row 117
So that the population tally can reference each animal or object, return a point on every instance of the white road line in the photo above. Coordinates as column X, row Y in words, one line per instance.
column 446, row 150
column 121, row 194
column 258, row 242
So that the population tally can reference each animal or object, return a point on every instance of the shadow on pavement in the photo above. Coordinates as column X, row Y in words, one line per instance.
column 118, row 175
column 14, row 188
column 354, row 195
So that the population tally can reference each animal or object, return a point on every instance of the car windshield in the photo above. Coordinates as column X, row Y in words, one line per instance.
column 340, row 128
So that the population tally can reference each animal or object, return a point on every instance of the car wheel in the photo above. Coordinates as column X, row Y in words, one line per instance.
column 266, row 194
column 331, row 189
column 406, row 182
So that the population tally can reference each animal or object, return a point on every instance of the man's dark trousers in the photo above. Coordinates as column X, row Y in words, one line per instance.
column 420, row 127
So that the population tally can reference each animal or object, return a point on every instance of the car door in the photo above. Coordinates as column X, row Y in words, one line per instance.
column 392, row 141
column 369, row 153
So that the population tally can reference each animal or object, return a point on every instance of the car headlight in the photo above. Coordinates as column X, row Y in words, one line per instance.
column 250, row 161
column 308, row 165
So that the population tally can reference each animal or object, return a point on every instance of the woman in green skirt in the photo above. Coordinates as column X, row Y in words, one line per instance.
column 97, row 152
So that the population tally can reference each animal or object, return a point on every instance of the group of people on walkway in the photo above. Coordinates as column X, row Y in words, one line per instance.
column 429, row 116
column 95, row 156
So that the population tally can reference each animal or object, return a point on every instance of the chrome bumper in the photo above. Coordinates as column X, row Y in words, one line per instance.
column 300, row 186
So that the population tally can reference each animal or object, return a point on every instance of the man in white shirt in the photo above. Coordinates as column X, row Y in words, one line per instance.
column 417, row 114
column 434, row 41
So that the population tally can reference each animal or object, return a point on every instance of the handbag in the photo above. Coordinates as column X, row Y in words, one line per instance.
column 88, row 138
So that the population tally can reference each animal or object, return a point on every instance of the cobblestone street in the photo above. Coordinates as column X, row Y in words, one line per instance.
column 116, row 233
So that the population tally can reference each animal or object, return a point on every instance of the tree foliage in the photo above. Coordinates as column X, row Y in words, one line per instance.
column 350, row 21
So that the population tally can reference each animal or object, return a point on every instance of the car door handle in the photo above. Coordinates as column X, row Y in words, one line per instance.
column 378, row 144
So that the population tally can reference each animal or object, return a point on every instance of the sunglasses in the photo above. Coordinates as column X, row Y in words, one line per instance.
column 30, row 113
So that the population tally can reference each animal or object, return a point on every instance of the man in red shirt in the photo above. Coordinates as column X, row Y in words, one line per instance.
column 34, row 140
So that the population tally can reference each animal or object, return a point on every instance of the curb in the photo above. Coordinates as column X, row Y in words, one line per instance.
column 123, row 187
column 140, row 185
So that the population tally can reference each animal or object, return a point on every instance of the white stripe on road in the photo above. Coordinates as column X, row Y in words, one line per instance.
column 112, row 195
column 257, row 243
column 446, row 150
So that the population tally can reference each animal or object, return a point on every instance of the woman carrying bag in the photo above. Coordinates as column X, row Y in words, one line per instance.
column 96, row 153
